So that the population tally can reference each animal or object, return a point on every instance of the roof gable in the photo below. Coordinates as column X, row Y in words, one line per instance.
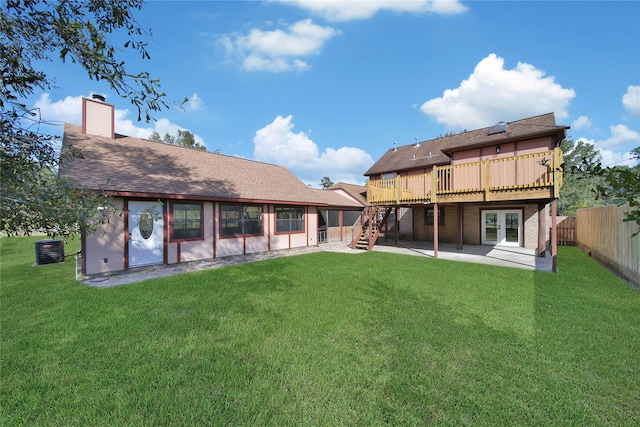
column 139, row 166
column 358, row 192
column 338, row 198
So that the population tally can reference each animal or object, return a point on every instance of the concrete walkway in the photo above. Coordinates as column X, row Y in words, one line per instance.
column 155, row 271
column 501, row 256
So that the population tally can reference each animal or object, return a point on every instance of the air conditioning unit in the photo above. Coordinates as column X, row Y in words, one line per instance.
column 49, row 251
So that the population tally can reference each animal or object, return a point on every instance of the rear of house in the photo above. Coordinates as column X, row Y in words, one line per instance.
column 492, row 186
column 176, row 204
column 344, row 205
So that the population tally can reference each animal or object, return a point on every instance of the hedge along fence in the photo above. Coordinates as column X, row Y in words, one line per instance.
column 604, row 235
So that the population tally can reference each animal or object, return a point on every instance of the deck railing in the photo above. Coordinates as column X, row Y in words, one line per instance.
column 524, row 172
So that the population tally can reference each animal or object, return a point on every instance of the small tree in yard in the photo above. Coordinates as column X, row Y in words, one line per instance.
column 33, row 197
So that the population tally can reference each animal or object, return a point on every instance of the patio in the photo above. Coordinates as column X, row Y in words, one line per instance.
column 503, row 256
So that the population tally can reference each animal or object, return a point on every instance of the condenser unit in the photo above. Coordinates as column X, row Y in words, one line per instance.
column 49, row 251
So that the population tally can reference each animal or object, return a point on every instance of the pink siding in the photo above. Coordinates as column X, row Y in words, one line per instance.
column 506, row 150
column 110, row 242
column 535, row 145
column 106, row 244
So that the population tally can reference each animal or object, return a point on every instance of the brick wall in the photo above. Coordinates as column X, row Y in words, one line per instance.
column 448, row 232
column 531, row 226
column 472, row 224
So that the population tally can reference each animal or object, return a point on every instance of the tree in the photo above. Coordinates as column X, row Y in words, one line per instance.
column 32, row 32
column 578, row 189
column 621, row 185
column 614, row 184
column 183, row 138
column 326, row 182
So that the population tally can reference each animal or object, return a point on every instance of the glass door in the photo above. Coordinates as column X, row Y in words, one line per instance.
column 501, row 227
column 490, row 228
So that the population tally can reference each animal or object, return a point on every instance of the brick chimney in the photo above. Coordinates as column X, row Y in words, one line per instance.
column 98, row 117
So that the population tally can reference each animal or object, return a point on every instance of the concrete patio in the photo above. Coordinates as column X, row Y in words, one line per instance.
column 503, row 256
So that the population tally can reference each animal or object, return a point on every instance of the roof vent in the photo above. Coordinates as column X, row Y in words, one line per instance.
column 499, row 127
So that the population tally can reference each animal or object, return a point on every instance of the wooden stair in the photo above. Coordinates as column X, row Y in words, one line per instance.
column 372, row 222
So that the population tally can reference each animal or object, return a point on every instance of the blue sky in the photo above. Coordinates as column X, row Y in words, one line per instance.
column 324, row 88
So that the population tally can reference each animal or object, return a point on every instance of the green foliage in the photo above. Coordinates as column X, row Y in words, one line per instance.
column 326, row 182
column 588, row 184
column 74, row 31
column 622, row 185
column 579, row 189
column 377, row 339
column 32, row 32
column 615, row 184
column 183, row 138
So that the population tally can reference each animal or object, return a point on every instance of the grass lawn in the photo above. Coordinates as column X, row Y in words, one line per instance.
column 320, row 339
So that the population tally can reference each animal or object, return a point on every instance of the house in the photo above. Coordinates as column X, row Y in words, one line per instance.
column 179, row 204
column 345, row 203
column 492, row 186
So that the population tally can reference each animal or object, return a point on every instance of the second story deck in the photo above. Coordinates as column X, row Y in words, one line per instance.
column 523, row 177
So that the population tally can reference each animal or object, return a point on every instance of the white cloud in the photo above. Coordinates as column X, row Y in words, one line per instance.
column 69, row 110
column 278, row 143
column 610, row 157
column 60, row 111
column 582, row 122
column 493, row 93
column 621, row 135
column 338, row 10
column 277, row 50
column 194, row 104
column 616, row 150
column 631, row 101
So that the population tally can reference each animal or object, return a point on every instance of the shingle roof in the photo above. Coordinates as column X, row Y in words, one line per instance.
column 358, row 192
column 339, row 198
column 435, row 152
column 139, row 166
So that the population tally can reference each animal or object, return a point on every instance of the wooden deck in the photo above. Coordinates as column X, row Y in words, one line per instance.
column 524, row 177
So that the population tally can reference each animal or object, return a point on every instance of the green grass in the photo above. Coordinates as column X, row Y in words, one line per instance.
column 321, row 339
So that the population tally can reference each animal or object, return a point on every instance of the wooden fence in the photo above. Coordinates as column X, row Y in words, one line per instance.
column 602, row 233
column 566, row 227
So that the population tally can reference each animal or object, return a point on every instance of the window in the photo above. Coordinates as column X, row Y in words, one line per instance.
column 428, row 216
column 241, row 221
column 334, row 219
column 186, row 221
column 289, row 220
column 350, row 217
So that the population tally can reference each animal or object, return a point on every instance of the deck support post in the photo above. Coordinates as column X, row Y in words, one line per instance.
column 435, row 230
column 542, row 230
column 554, row 235
column 397, row 226
column 370, row 228
column 460, row 227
